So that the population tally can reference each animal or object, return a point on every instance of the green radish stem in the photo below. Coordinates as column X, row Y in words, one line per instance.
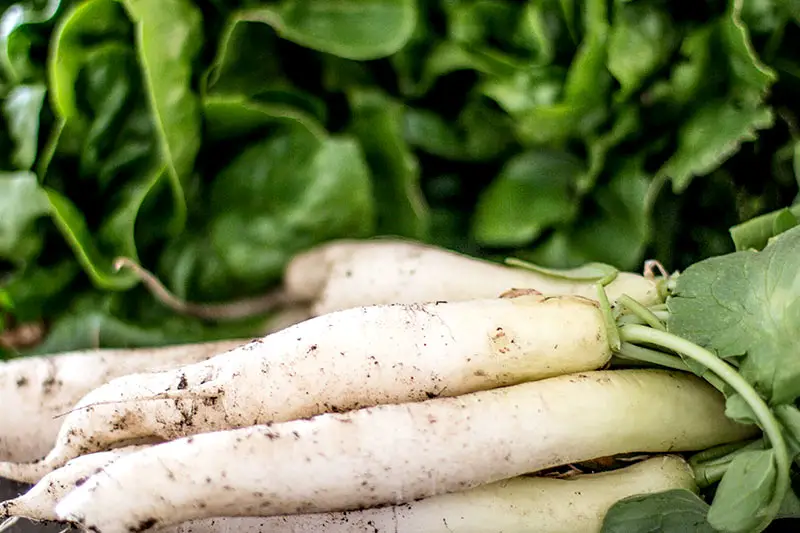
column 709, row 472
column 642, row 312
column 720, row 453
column 641, row 334
column 638, row 353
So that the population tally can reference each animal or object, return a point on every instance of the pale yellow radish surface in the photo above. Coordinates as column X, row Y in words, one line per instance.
column 338, row 362
column 349, row 273
column 35, row 391
column 524, row 504
column 394, row 454
column 39, row 503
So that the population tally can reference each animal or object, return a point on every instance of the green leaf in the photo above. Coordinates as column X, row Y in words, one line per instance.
column 115, row 236
column 292, row 190
column 240, row 68
column 614, row 226
column 228, row 118
column 22, row 108
column 736, row 407
column 400, row 205
column 524, row 90
column 750, row 78
column 710, row 137
column 745, row 490
column 76, row 34
column 35, row 291
column 22, row 201
column 583, row 106
column 673, row 511
column 478, row 134
column 756, row 232
column 534, row 191
column 626, row 123
column 16, row 39
column 176, row 26
column 96, row 320
column 789, row 418
column 353, row 29
column 691, row 75
column 641, row 40
column 747, row 304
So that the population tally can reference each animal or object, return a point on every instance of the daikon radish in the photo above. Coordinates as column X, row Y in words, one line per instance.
column 351, row 273
column 36, row 390
column 338, row 362
column 524, row 504
column 395, row 454
column 39, row 503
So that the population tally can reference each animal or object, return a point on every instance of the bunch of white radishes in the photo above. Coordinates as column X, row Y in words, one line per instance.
column 424, row 395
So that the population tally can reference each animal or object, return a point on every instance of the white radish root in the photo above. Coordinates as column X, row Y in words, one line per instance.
column 338, row 362
column 37, row 390
column 524, row 504
column 394, row 454
column 39, row 503
column 351, row 273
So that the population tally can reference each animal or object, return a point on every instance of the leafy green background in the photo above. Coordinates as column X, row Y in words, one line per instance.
column 210, row 140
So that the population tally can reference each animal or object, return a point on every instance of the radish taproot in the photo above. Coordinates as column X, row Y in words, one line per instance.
column 524, row 504
column 351, row 273
column 39, row 502
column 338, row 362
column 37, row 389
column 394, row 454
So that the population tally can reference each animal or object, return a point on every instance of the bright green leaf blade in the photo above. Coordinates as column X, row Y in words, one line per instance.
column 72, row 39
column 176, row 26
column 246, row 61
column 737, row 408
column 744, row 492
column 641, row 40
column 99, row 266
column 291, row 191
column 747, row 304
column 479, row 134
column 533, row 192
column 400, row 205
column 756, row 232
column 674, row 511
column 228, row 118
column 353, row 29
column 789, row 418
column 15, row 43
column 22, row 108
column 22, row 201
column 626, row 123
column 524, row 90
column 710, row 137
column 751, row 78
column 616, row 229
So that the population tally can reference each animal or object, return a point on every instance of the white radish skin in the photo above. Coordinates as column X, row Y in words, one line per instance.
column 352, row 273
column 524, row 504
column 39, row 503
column 394, row 454
column 338, row 362
column 37, row 390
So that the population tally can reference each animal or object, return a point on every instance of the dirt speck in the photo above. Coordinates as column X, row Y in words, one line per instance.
column 144, row 525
